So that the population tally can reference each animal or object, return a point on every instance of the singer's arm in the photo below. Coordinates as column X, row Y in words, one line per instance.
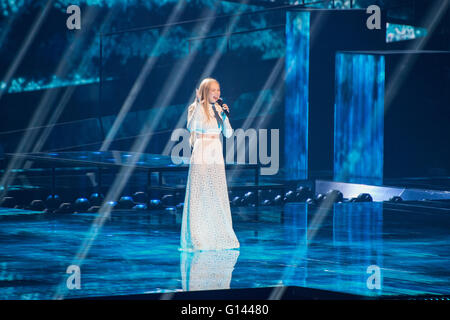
column 227, row 130
column 194, row 120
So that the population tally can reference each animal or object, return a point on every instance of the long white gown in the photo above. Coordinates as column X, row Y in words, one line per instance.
column 206, row 222
column 207, row 270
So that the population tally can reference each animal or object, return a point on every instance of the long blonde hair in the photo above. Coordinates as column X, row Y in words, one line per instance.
column 203, row 89
column 205, row 85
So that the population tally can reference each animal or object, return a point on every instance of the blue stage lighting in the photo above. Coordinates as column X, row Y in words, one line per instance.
column 96, row 199
column 81, row 205
column 303, row 193
column 155, row 204
column 8, row 202
column 65, row 207
column 125, row 202
column 37, row 205
column 359, row 118
column 53, row 202
column 168, row 200
column 364, row 197
column 334, row 196
column 140, row 206
column 297, row 88
column 140, row 197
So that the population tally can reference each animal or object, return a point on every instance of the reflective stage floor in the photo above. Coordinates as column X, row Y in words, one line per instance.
column 370, row 249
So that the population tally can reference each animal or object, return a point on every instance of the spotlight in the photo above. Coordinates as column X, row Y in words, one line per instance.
column 96, row 199
column 65, row 207
column 364, row 197
column 140, row 206
column 180, row 206
column 267, row 202
column 168, row 200
column 303, row 193
column 53, row 202
column 311, row 201
column 250, row 197
column 278, row 200
column 81, row 205
column 140, row 197
column 289, row 196
column 155, row 204
column 236, row 201
column 112, row 204
column 37, row 205
column 94, row 209
column 125, row 202
column 319, row 198
column 396, row 199
column 8, row 202
column 334, row 196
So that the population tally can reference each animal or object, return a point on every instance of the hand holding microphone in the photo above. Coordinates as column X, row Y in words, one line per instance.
column 224, row 107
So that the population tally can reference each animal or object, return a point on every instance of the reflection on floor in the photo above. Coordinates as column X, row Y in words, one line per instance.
column 369, row 249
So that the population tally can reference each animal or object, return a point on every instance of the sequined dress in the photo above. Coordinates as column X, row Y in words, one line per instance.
column 206, row 222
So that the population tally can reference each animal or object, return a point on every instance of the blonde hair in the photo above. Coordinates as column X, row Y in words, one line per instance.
column 203, row 89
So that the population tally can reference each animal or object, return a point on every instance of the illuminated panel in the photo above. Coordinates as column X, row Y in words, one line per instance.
column 400, row 32
column 358, row 244
column 359, row 118
column 296, row 100
column 22, row 84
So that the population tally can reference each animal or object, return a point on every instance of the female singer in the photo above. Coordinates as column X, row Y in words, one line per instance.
column 206, row 222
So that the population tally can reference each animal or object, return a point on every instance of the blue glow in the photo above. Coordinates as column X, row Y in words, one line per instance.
column 271, row 43
column 22, row 84
column 121, row 49
column 295, row 222
column 401, row 32
column 351, row 238
column 357, row 241
column 8, row 7
column 359, row 118
column 297, row 87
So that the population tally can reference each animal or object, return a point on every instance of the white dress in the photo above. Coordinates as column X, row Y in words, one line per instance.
column 207, row 270
column 206, row 222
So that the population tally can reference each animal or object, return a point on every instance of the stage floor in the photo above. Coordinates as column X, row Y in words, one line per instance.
column 137, row 252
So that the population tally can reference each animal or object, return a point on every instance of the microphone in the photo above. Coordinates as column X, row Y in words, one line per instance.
column 220, row 103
